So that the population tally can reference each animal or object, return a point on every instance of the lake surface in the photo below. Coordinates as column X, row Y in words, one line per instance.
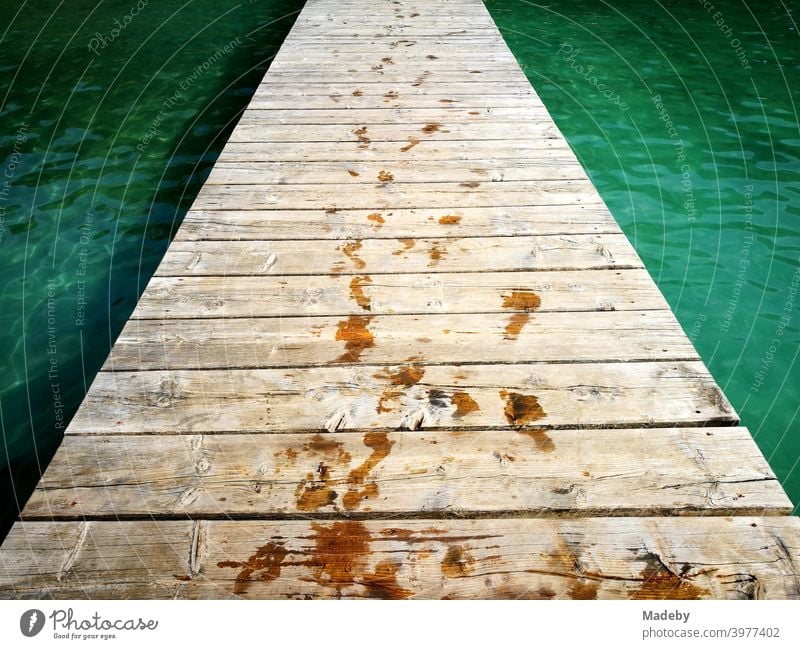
column 686, row 120
column 112, row 115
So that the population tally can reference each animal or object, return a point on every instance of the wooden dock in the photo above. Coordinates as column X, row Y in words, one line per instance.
column 400, row 348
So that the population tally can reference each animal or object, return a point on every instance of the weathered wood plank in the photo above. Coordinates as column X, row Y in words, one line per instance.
column 590, row 558
column 355, row 133
column 263, row 225
column 316, row 295
column 313, row 341
column 717, row 471
column 401, row 89
column 345, row 100
column 413, row 147
column 380, row 72
column 408, row 396
column 382, row 256
column 386, row 115
column 399, row 195
column 343, row 174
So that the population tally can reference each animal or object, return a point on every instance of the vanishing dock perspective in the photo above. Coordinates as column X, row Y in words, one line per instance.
column 399, row 348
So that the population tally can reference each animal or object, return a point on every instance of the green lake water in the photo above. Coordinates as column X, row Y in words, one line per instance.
column 106, row 136
column 684, row 114
column 103, row 150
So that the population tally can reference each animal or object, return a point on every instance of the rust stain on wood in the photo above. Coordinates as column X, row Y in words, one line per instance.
column 333, row 450
column 353, row 173
column 359, row 488
column 357, row 294
column 543, row 441
column 408, row 244
column 464, row 404
column 403, row 378
column 351, row 252
column 385, row 176
column 525, row 301
column 361, row 134
column 412, row 142
column 521, row 409
column 356, row 337
column 315, row 492
column 659, row 581
column 263, row 565
column 431, row 128
column 406, row 376
column 340, row 560
column 583, row 589
column 436, row 252
column 457, row 562
column 376, row 218
column 450, row 219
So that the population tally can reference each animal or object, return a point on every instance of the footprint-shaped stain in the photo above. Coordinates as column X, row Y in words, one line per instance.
column 525, row 302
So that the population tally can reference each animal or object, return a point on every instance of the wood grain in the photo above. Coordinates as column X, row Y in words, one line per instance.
column 404, row 396
column 709, row 471
column 234, row 296
column 401, row 255
column 316, row 341
column 657, row 558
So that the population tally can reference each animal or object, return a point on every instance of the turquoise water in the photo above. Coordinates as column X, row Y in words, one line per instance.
column 103, row 150
column 685, row 117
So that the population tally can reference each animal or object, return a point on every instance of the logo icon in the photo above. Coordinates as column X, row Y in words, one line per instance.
column 31, row 622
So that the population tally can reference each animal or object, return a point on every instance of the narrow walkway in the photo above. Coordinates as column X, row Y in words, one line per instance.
column 400, row 348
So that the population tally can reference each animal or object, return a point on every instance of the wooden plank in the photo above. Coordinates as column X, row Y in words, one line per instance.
column 413, row 147
column 717, row 471
column 351, row 63
column 317, row 295
column 262, row 225
column 402, row 89
column 347, row 100
column 343, row 174
column 377, row 71
column 381, row 256
column 409, row 396
column 313, row 341
column 386, row 115
column 386, row 195
column 590, row 558
column 351, row 132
